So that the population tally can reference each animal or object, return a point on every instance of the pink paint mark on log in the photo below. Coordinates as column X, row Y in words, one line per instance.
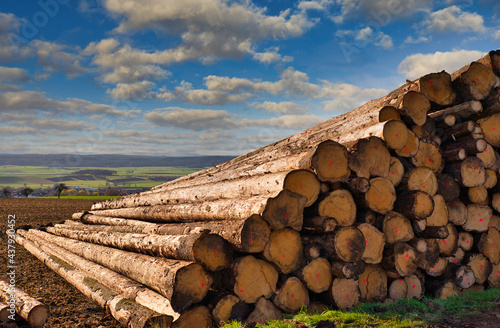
column 293, row 295
column 407, row 255
column 453, row 204
column 241, row 290
column 364, row 281
column 393, row 173
column 317, row 275
column 283, row 255
column 215, row 250
column 430, row 160
column 396, row 231
column 414, row 286
column 202, row 284
column 348, row 243
column 430, row 82
column 396, row 134
column 346, row 295
column 406, row 148
column 467, row 241
column 444, row 241
column 286, row 214
column 366, row 241
column 300, row 186
column 480, row 220
column 447, row 186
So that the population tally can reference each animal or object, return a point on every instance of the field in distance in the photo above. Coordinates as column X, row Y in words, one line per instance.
column 15, row 176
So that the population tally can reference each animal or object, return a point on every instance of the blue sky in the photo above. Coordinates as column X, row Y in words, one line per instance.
column 194, row 77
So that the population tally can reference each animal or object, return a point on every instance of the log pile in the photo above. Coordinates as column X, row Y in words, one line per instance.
column 394, row 199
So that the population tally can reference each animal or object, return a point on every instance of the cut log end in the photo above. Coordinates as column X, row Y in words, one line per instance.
column 291, row 296
column 381, row 195
column 338, row 204
column 316, row 275
column 192, row 284
column 285, row 250
column 254, row 235
column 213, row 252
column 285, row 210
column 331, row 162
column 305, row 183
column 254, row 278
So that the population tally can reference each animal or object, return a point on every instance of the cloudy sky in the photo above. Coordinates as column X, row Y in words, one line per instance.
column 170, row 77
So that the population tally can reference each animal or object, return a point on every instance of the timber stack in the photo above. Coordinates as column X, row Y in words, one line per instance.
column 397, row 197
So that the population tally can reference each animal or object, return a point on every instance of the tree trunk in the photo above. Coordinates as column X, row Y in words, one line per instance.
column 316, row 275
column 291, row 296
column 246, row 235
column 26, row 306
column 373, row 284
column 437, row 88
column 183, row 283
column 285, row 250
column 109, row 278
column 211, row 250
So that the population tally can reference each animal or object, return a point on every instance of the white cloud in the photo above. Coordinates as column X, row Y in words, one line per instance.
column 347, row 97
column 284, row 107
column 297, row 122
column 33, row 100
column 131, row 74
column 420, row 39
column 453, row 19
column 384, row 41
column 379, row 12
column 53, row 124
column 134, row 91
column 57, row 58
column 367, row 36
column 13, row 74
column 190, row 119
column 417, row 65
column 320, row 5
column 497, row 35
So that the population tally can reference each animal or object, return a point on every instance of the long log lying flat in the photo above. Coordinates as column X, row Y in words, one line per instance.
column 26, row 306
column 211, row 250
column 247, row 235
column 106, row 277
column 182, row 283
column 126, row 311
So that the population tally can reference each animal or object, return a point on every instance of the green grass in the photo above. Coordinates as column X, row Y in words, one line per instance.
column 39, row 176
column 404, row 313
column 82, row 197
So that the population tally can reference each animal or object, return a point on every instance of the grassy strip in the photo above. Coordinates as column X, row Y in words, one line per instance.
column 80, row 197
column 403, row 313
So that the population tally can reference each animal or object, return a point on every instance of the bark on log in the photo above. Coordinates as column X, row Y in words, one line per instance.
column 469, row 172
column 26, row 306
column 439, row 268
column 439, row 216
column 396, row 171
column 316, row 275
column 414, row 205
column 494, row 278
column 211, row 250
column 285, row 250
column 373, row 284
column 291, row 296
column 229, row 308
column 183, row 283
column 375, row 242
column 428, row 252
column 457, row 212
column 476, row 82
column 254, row 279
column 247, row 235
column 448, row 188
column 106, row 277
column 463, row 110
column 448, row 246
column 400, row 258
column 319, row 224
column 357, row 185
column 347, row 270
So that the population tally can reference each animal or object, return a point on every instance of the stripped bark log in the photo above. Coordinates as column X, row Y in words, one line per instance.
column 183, row 283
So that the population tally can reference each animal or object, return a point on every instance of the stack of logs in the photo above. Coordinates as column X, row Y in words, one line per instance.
column 391, row 199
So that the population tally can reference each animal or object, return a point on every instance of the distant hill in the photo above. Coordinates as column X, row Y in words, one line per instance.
column 70, row 160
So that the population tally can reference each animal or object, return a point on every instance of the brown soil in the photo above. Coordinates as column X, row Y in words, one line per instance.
column 68, row 307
